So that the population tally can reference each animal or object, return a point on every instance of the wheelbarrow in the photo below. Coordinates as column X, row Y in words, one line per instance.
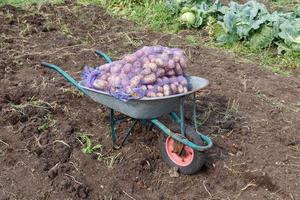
column 184, row 149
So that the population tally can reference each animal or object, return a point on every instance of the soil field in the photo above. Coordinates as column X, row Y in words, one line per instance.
column 251, row 114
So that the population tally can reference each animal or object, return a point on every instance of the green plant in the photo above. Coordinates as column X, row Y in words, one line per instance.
column 49, row 122
column 153, row 13
column 88, row 147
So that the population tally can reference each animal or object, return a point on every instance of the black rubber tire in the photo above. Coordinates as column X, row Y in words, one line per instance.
column 199, row 156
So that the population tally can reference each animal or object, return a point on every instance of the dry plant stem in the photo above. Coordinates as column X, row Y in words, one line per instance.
column 4, row 142
column 61, row 141
column 68, row 175
column 206, row 189
column 128, row 195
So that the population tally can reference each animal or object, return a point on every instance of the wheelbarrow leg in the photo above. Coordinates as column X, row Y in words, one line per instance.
column 113, row 122
column 112, row 126
column 126, row 136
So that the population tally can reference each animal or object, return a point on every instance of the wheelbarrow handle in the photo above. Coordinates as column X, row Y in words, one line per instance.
column 69, row 78
column 103, row 55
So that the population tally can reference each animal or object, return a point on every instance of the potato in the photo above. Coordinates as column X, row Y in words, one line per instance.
column 178, row 69
column 145, row 60
column 159, row 62
column 150, row 94
column 182, row 80
column 127, row 68
column 135, row 81
column 137, row 64
column 167, row 90
column 137, row 70
column 130, row 58
column 150, row 78
column 183, row 64
column 115, row 81
column 105, row 67
column 146, row 65
column 159, row 89
column 139, row 53
column 170, row 73
column 146, row 71
column 160, row 72
column 116, row 68
column 104, row 77
column 159, row 82
column 128, row 90
column 153, row 67
column 180, row 89
column 159, row 94
column 150, row 87
column 125, row 82
column 173, row 88
column 100, row 84
column 176, row 58
column 171, row 64
column 185, row 89
column 147, row 50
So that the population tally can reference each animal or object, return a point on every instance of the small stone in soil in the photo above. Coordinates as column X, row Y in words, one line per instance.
column 173, row 172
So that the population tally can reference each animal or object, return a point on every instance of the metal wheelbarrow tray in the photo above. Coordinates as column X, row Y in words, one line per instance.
column 184, row 149
column 146, row 108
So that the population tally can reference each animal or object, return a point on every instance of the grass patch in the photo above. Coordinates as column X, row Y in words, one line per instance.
column 284, row 5
column 283, row 64
column 150, row 13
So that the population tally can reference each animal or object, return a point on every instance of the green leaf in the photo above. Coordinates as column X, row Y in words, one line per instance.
column 290, row 31
column 88, row 148
column 262, row 39
column 297, row 11
column 227, row 38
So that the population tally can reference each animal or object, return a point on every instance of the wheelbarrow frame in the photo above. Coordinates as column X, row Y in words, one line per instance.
column 181, row 138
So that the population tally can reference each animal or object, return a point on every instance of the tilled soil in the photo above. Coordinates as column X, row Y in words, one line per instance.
column 251, row 114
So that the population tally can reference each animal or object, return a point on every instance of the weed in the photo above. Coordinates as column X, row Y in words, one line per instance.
column 296, row 148
column 88, row 147
column 294, row 107
column 65, row 29
column 133, row 41
column 109, row 160
column 205, row 116
column 192, row 40
column 231, row 110
column 49, row 122
column 72, row 91
column 32, row 103
column 25, row 30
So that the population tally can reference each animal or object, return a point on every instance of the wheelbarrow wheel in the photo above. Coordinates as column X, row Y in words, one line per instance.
column 186, row 159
